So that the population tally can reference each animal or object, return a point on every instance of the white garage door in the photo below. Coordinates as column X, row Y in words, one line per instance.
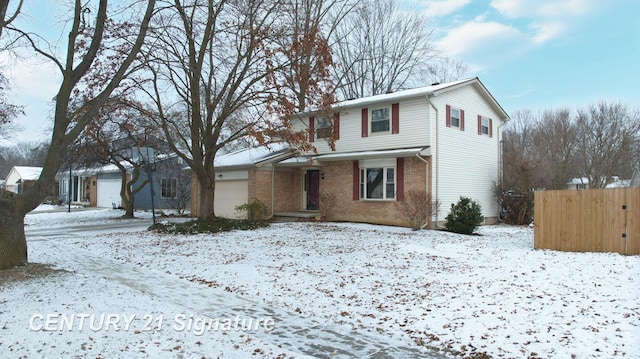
column 108, row 192
column 230, row 194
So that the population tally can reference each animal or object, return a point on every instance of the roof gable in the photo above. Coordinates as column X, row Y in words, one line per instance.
column 28, row 173
column 427, row 91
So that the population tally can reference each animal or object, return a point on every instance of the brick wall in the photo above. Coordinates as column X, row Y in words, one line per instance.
column 93, row 191
column 338, row 178
column 287, row 189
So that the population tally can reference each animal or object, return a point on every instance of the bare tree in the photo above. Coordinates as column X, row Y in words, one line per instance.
column 83, row 49
column 217, row 77
column 381, row 49
column 447, row 70
column 608, row 137
column 8, row 16
column 116, row 137
column 520, row 164
column 555, row 140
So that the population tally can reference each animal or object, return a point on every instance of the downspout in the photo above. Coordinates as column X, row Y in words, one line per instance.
column 426, row 165
column 500, row 166
column 436, row 154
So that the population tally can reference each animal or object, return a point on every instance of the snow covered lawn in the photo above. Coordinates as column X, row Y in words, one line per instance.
column 490, row 293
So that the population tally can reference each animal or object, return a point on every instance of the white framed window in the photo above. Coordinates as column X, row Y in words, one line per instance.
column 484, row 126
column 168, row 187
column 377, row 180
column 323, row 127
column 64, row 186
column 455, row 117
column 380, row 120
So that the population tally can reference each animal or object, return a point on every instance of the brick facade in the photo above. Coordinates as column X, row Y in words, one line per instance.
column 287, row 190
column 338, row 179
column 92, row 183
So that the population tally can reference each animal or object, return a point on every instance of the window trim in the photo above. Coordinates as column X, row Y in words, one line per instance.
column 363, row 188
column 481, row 126
column 172, row 188
column 388, row 119
column 323, row 128
column 450, row 117
column 454, row 118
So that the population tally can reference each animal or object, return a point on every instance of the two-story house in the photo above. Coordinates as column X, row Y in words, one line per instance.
column 443, row 139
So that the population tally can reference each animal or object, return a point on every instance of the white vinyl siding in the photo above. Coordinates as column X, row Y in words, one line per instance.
column 414, row 129
column 463, row 163
column 468, row 163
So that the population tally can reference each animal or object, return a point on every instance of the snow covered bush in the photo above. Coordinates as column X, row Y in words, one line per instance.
column 465, row 216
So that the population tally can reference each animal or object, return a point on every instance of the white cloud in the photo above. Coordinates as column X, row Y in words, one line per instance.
column 541, row 8
column 477, row 35
column 444, row 7
column 484, row 44
column 547, row 31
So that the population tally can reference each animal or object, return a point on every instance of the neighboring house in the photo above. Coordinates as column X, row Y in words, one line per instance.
column 3, row 184
column 100, row 186
column 21, row 177
column 443, row 139
column 578, row 183
column 612, row 182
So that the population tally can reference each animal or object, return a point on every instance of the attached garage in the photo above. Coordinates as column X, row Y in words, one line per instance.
column 108, row 192
column 229, row 194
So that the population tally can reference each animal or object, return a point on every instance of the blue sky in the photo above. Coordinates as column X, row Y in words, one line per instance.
column 541, row 54
column 536, row 54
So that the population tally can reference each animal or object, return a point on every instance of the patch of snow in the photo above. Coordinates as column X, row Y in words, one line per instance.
column 489, row 293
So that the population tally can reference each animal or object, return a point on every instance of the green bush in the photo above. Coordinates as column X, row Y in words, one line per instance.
column 212, row 225
column 465, row 216
column 255, row 210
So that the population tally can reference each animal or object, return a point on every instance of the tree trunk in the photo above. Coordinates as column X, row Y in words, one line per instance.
column 13, row 243
column 205, row 203
column 128, row 205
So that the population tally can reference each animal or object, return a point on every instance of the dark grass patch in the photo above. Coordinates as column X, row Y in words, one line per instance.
column 27, row 272
column 212, row 225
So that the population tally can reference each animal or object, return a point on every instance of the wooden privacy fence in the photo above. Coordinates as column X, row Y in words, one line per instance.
column 593, row 220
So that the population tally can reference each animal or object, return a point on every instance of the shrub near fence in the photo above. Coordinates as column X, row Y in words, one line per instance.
column 594, row 220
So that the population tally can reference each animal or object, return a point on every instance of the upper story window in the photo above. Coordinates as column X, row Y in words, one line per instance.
column 384, row 119
column 380, row 120
column 323, row 128
column 485, row 127
column 455, row 117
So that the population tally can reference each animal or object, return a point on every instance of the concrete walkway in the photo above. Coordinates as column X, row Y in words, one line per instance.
column 292, row 331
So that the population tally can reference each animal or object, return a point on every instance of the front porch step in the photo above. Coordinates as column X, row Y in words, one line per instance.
column 287, row 217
